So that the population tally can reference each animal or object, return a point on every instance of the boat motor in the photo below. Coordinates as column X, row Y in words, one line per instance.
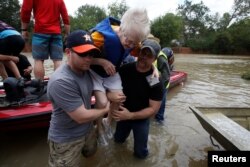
column 15, row 89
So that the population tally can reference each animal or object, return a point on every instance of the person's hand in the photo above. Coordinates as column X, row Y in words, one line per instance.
column 28, row 70
column 117, row 97
column 14, row 59
column 108, row 67
column 122, row 114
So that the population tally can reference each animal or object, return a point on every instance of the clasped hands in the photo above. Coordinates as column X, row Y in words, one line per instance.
column 121, row 113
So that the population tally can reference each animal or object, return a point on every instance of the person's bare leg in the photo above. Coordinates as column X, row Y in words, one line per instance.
column 39, row 71
column 101, row 101
column 116, row 97
column 12, row 66
column 57, row 63
column 113, row 106
column 3, row 72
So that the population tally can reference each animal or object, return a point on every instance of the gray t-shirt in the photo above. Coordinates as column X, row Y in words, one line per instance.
column 68, row 91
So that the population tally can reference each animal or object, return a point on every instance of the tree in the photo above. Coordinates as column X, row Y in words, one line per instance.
column 222, row 43
column 10, row 13
column 116, row 9
column 224, row 21
column 195, row 17
column 240, row 33
column 87, row 17
column 240, row 11
column 167, row 28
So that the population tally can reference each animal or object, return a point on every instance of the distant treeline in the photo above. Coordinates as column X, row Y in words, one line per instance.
column 192, row 26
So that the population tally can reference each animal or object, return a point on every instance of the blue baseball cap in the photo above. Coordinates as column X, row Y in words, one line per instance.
column 80, row 42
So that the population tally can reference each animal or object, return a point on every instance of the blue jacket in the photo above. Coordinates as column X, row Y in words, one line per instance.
column 113, row 49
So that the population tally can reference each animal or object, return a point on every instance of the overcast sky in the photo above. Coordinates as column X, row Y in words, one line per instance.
column 155, row 8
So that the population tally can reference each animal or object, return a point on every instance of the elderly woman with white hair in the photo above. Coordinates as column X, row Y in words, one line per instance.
column 116, row 39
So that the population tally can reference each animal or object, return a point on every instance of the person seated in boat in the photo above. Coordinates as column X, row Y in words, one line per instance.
column 11, row 44
column 70, row 89
column 143, row 99
column 24, row 68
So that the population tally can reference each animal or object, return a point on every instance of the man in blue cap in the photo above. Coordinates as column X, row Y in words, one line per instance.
column 70, row 89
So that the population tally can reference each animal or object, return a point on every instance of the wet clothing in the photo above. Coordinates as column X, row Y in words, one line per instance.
column 22, row 64
column 67, row 91
column 138, row 93
column 140, row 132
column 62, row 154
column 159, row 116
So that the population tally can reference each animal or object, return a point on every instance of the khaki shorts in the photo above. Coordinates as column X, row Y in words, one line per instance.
column 69, row 154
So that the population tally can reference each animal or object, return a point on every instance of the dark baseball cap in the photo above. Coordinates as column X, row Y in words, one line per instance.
column 153, row 45
column 80, row 42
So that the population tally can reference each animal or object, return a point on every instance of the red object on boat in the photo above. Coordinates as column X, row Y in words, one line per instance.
column 177, row 77
column 37, row 115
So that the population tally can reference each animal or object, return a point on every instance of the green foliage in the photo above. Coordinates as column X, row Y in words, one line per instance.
column 240, row 33
column 192, row 25
column 194, row 17
column 167, row 28
column 202, row 44
column 116, row 9
column 210, row 33
column 10, row 14
column 87, row 17
column 241, row 10
column 224, row 22
column 222, row 43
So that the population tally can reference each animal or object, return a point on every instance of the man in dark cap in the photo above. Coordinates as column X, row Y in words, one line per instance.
column 143, row 98
column 70, row 89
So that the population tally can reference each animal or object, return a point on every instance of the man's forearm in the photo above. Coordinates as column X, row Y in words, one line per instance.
column 24, row 26
column 67, row 29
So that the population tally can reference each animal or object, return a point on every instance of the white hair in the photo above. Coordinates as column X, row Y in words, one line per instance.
column 135, row 22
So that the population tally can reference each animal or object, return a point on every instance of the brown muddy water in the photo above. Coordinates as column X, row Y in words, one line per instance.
column 181, row 142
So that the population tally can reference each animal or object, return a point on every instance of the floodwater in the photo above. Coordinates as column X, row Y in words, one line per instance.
column 181, row 142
